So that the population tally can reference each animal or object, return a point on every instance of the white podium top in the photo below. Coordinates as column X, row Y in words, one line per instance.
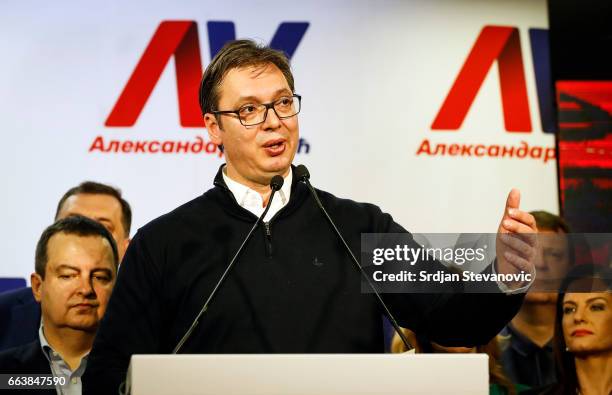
column 309, row 374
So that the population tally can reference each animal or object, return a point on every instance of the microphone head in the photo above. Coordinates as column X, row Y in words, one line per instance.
column 277, row 182
column 301, row 172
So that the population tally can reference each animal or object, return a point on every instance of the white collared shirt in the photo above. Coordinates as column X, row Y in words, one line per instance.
column 251, row 200
column 59, row 368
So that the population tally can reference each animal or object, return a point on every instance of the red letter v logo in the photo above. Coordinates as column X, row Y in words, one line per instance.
column 494, row 43
column 178, row 38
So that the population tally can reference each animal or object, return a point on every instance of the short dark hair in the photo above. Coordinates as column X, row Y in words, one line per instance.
column 73, row 225
column 238, row 54
column 549, row 221
column 96, row 188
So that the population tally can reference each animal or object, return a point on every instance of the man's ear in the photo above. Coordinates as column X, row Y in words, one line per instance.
column 214, row 129
column 123, row 245
column 37, row 283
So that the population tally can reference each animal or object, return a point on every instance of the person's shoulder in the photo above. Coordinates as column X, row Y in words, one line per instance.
column 194, row 210
column 28, row 358
column 17, row 297
column 550, row 389
column 345, row 203
column 368, row 216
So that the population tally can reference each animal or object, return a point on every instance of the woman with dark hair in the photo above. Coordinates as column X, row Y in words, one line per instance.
column 583, row 333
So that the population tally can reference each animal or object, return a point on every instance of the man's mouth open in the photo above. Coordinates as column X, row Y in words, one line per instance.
column 275, row 147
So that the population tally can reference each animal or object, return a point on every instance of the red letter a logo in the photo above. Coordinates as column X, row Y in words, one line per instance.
column 178, row 38
column 494, row 43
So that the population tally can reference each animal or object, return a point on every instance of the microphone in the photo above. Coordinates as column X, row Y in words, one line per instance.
column 275, row 184
column 303, row 175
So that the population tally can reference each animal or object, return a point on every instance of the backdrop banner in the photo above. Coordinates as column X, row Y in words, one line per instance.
column 432, row 110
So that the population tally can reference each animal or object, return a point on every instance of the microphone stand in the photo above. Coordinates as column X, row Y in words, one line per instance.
column 304, row 176
column 276, row 184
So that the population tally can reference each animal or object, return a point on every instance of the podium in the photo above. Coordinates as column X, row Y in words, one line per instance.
column 308, row 374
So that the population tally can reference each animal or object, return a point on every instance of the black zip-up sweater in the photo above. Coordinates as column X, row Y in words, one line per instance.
column 292, row 290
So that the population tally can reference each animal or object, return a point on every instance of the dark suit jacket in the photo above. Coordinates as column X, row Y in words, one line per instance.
column 19, row 318
column 26, row 359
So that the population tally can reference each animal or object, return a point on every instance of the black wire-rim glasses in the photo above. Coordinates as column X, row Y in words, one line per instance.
column 254, row 114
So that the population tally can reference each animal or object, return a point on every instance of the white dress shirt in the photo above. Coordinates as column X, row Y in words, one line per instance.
column 59, row 368
column 251, row 200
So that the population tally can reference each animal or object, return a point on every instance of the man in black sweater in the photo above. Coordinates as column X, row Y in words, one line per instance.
column 293, row 289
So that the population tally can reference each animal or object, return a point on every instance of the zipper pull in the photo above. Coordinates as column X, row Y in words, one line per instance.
column 268, row 237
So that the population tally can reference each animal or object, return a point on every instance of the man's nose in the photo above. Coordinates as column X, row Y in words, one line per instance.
column 540, row 260
column 86, row 286
column 272, row 121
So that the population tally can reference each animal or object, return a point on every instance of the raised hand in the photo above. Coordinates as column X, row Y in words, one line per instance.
column 516, row 245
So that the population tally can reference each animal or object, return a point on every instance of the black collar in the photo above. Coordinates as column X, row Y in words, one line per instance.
column 298, row 193
column 522, row 344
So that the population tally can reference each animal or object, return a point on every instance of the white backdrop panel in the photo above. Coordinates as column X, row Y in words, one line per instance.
column 373, row 76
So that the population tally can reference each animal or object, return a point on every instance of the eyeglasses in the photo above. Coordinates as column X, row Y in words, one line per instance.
column 254, row 114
